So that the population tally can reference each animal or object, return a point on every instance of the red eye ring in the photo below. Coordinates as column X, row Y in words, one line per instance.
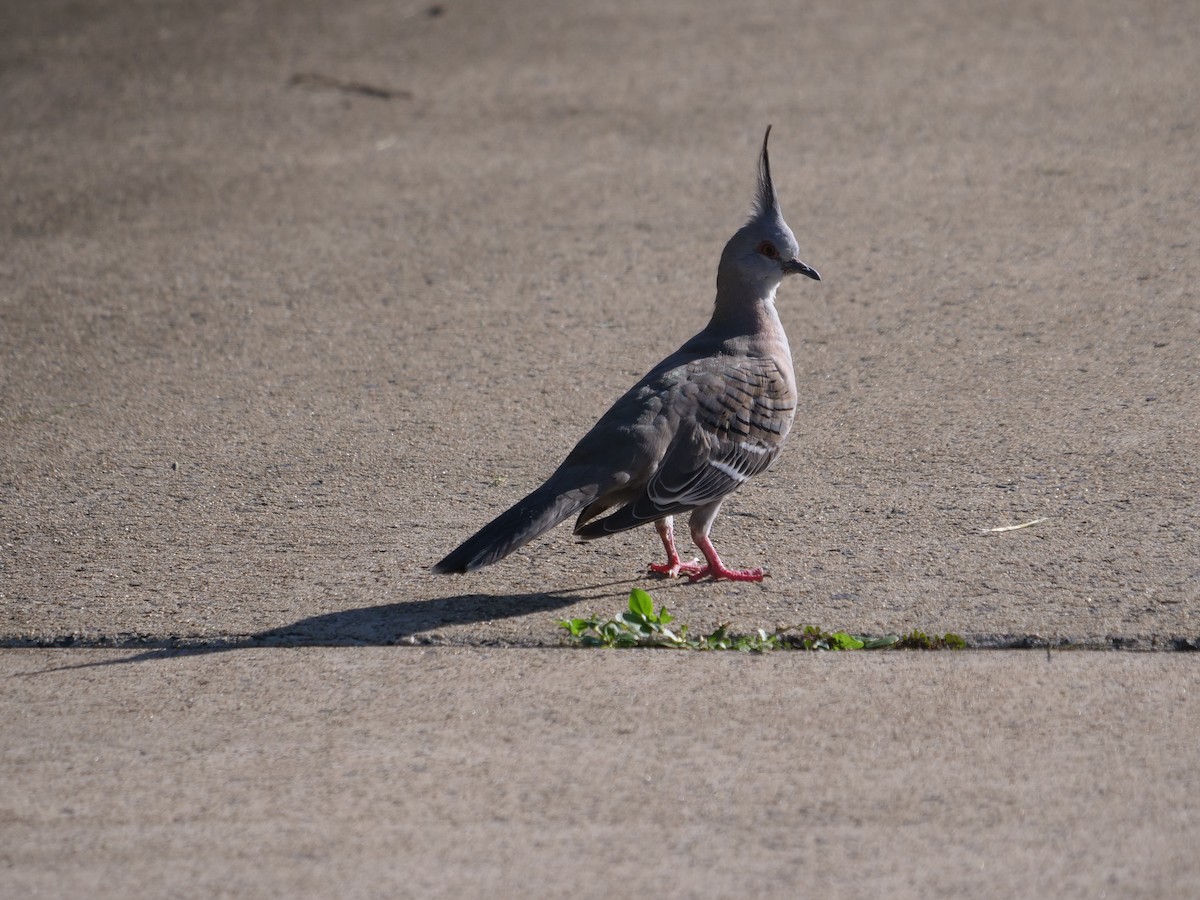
column 767, row 249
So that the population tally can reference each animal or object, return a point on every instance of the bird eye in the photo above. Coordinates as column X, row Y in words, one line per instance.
column 767, row 249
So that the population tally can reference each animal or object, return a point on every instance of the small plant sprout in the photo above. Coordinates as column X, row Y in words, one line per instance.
column 641, row 626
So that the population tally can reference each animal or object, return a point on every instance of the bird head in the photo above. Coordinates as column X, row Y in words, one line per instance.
column 763, row 251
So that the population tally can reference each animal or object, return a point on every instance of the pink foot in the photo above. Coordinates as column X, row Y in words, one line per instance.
column 716, row 569
column 675, row 568
column 721, row 573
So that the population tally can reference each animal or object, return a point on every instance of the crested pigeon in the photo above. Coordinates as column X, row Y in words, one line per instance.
column 700, row 424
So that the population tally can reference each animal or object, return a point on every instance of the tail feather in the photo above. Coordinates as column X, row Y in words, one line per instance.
column 516, row 527
column 637, row 512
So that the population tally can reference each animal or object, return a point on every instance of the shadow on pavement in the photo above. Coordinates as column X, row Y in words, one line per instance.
column 413, row 622
column 396, row 622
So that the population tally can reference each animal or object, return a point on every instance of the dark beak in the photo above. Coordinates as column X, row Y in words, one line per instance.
column 796, row 267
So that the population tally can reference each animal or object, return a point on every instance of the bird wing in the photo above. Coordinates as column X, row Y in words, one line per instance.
column 723, row 421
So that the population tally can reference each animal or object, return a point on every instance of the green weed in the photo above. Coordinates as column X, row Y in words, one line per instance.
column 641, row 626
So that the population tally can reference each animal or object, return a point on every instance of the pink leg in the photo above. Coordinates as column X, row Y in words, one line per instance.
column 673, row 567
column 715, row 568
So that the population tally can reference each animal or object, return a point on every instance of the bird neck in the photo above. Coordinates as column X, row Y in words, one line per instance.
column 745, row 309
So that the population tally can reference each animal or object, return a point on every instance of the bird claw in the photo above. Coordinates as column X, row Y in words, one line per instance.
column 694, row 571
column 723, row 574
column 677, row 568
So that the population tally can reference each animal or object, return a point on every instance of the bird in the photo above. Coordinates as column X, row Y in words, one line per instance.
column 696, row 427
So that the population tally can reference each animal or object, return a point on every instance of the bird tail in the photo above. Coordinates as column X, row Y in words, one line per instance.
column 516, row 527
column 623, row 519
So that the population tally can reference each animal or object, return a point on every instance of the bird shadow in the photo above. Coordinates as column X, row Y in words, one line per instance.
column 408, row 622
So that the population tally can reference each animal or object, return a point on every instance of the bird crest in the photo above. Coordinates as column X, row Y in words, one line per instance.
column 766, row 202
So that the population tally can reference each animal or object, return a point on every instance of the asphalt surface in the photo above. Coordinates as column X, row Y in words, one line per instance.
column 293, row 298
